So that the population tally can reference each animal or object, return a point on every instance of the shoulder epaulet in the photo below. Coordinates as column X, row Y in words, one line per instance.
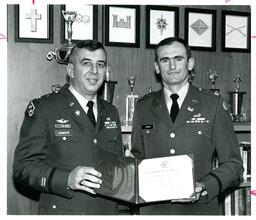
column 209, row 92
column 146, row 96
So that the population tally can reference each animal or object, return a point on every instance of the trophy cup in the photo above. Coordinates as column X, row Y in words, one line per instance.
column 130, row 101
column 236, row 99
column 213, row 75
column 61, row 54
column 108, row 88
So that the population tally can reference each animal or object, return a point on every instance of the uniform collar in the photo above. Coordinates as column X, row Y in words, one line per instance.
column 83, row 101
column 182, row 94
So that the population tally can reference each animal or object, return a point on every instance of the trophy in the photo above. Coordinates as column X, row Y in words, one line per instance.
column 61, row 54
column 236, row 99
column 130, row 101
column 108, row 88
column 213, row 75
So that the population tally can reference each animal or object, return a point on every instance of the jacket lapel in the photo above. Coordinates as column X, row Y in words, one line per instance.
column 159, row 108
column 102, row 113
column 190, row 107
column 76, row 111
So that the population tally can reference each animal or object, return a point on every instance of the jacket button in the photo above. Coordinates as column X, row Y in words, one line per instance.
column 54, row 206
column 95, row 141
column 172, row 151
column 172, row 135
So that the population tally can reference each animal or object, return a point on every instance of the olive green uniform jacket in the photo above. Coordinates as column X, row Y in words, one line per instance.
column 202, row 128
column 56, row 136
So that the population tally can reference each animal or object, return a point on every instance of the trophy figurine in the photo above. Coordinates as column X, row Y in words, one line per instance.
column 213, row 75
column 236, row 99
column 61, row 54
column 130, row 101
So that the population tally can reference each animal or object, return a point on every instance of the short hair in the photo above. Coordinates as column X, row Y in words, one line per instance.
column 170, row 41
column 90, row 45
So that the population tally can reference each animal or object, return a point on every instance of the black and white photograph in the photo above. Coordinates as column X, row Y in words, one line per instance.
column 200, row 28
column 122, row 25
column 85, row 24
column 236, row 31
column 161, row 22
column 128, row 109
column 34, row 24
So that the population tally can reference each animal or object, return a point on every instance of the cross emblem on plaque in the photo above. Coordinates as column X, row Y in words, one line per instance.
column 34, row 17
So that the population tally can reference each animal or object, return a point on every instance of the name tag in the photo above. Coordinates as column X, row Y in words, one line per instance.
column 62, row 125
column 147, row 126
column 61, row 133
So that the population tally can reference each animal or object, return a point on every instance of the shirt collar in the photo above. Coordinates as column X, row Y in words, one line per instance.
column 82, row 100
column 182, row 94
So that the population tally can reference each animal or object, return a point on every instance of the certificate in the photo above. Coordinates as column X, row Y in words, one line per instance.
column 143, row 181
column 166, row 178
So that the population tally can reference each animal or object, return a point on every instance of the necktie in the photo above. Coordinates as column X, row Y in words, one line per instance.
column 90, row 112
column 175, row 107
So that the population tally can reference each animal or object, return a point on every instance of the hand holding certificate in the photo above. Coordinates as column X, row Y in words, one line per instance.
column 148, row 180
column 166, row 178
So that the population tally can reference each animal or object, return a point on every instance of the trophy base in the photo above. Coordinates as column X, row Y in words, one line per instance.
column 238, row 118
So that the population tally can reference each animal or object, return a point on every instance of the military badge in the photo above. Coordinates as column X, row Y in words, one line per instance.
column 62, row 121
column 110, row 124
column 31, row 109
column 77, row 112
column 190, row 109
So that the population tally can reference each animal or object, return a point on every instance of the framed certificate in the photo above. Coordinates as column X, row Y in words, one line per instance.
column 132, row 180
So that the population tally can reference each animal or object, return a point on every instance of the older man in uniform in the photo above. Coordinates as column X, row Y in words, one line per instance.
column 182, row 119
column 59, row 134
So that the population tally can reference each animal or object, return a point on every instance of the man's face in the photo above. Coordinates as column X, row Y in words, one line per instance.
column 87, row 71
column 173, row 65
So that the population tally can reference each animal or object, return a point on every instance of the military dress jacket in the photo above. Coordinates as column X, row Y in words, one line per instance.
column 56, row 136
column 202, row 128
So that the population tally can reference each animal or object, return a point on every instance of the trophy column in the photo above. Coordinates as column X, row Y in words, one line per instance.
column 236, row 100
column 130, row 102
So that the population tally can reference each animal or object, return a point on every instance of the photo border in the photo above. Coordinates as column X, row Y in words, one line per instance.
column 108, row 42
column 225, row 13
column 49, row 39
column 94, row 20
column 201, row 11
column 148, row 21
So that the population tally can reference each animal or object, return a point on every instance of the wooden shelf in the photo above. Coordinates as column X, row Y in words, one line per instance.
column 126, row 129
column 245, row 126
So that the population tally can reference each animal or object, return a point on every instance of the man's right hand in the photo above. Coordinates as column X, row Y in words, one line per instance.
column 84, row 178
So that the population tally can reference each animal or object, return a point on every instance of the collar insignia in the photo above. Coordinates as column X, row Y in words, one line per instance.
column 77, row 112
column 190, row 109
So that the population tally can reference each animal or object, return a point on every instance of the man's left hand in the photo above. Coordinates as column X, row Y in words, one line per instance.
column 199, row 191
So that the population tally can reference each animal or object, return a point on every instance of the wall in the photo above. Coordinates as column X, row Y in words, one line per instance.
column 31, row 75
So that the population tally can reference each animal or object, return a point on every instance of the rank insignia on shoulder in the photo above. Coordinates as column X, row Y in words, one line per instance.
column 31, row 109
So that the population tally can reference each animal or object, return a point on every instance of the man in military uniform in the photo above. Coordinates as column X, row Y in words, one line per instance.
column 182, row 119
column 59, row 134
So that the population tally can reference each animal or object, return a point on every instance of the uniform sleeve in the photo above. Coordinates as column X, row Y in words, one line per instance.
column 30, row 166
column 136, row 137
column 230, row 166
